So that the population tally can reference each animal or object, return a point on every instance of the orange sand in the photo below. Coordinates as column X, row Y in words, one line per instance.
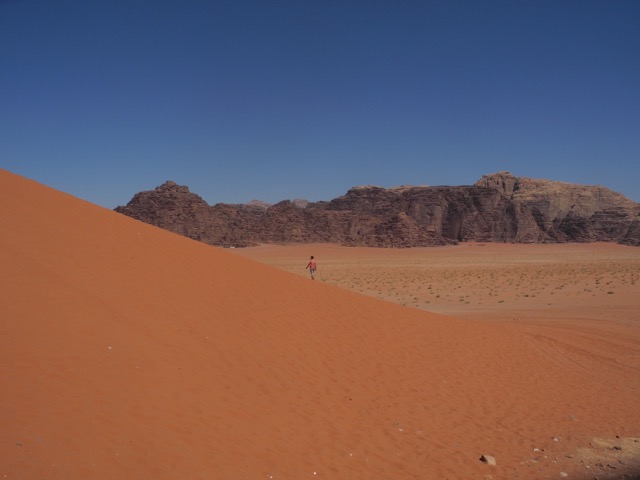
column 131, row 352
column 496, row 281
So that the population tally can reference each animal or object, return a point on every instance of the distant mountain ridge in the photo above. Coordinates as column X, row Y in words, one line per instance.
column 499, row 207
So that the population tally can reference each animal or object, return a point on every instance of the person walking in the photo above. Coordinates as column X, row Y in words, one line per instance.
column 312, row 267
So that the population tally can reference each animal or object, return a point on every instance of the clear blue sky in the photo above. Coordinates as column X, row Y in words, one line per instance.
column 270, row 99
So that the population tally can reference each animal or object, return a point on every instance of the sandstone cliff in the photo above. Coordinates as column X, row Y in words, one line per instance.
column 498, row 208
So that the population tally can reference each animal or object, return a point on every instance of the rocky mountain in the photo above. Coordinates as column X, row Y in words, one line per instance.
column 497, row 208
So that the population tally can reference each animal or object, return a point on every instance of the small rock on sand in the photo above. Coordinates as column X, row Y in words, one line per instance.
column 488, row 459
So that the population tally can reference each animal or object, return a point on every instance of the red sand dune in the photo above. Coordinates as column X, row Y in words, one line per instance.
column 130, row 352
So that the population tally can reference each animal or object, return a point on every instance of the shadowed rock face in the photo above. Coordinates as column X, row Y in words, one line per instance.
column 498, row 208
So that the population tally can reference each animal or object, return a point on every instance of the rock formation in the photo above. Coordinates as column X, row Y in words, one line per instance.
column 497, row 208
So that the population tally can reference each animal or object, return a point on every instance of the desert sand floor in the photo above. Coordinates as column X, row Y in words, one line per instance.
column 581, row 302
column 596, row 281
column 130, row 352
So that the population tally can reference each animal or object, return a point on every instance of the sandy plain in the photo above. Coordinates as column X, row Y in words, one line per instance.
column 581, row 302
column 596, row 281
column 130, row 352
